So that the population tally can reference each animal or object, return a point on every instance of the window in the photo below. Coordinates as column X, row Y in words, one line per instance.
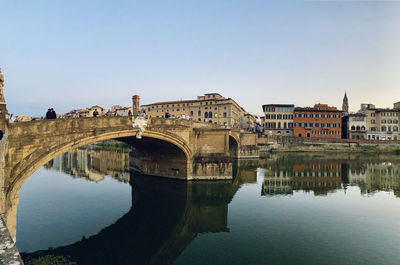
column 210, row 114
column 383, row 128
column 206, row 114
column 191, row 113
column 199, row 113
column 225, row 115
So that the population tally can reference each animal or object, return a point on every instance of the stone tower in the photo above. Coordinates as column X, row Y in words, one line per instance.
column 345, row 105
column 135, row 105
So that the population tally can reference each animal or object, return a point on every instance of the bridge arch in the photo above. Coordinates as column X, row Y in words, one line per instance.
column 24, row 169
column 233, row 146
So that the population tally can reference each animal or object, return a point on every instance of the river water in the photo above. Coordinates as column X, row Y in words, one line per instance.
column 85, row 207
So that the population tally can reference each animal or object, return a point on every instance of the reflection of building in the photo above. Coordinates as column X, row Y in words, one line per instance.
column 277, row 182
column 320, row 176
column 321, row 121
column 383, row 177
column 372, row 177
column 211, row 107
column 278, row 119
column 93, row 163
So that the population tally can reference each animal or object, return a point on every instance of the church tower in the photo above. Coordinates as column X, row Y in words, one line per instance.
column 345, row 105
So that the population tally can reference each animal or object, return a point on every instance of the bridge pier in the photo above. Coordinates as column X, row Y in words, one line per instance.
column 3, row 154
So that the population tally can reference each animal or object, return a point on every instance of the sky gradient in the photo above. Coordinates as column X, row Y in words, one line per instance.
column 75, row 54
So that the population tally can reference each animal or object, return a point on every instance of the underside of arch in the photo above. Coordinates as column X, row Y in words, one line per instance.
column 26, row 168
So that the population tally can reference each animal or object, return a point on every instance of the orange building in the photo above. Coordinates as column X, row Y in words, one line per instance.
column 320, row 121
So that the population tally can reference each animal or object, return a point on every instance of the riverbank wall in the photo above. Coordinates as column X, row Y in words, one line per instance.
column 295, row 144
column 9, row 254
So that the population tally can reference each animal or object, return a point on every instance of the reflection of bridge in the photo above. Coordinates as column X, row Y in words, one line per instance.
column 153, row 232
column 178, row 149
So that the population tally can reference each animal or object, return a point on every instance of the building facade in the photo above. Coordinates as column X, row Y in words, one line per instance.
column 320, row 121
column 212, row 108
column 278, row 119
column 382, row 124
column 355, row 126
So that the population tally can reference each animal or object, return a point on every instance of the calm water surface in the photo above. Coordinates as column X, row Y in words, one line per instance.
column 85, row 207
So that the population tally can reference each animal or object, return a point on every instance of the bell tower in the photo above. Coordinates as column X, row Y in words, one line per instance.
column 345, row 105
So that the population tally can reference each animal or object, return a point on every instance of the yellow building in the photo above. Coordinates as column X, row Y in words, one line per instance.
column 211, row 107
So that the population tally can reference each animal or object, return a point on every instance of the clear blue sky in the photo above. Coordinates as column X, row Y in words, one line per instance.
column 74, row 54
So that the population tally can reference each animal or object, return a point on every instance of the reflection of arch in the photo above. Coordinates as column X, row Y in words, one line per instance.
column 197, row 208
column 33, row 164
column 233, row 146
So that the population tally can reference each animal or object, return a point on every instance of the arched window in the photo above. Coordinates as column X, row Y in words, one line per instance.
column 363, row 128
column 210, row 114
column 395, row 128
column 279, row 125
column 206, row 114
column 358, row 128
column 353, row 128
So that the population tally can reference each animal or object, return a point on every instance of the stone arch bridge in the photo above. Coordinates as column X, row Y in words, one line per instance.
column 171, row 148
